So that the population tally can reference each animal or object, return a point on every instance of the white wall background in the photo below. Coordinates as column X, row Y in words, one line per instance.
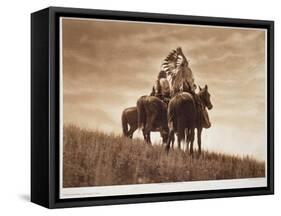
column 15, row 107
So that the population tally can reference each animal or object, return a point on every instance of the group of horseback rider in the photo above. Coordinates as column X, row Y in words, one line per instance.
column 172, row 106
column 184, row 82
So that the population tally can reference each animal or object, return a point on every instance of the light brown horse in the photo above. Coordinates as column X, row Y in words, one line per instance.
column 129, row 121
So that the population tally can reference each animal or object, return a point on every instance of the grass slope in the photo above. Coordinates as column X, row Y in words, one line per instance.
column 93, row 158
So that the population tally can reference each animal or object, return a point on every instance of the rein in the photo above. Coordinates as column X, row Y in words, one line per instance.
column 200, row 109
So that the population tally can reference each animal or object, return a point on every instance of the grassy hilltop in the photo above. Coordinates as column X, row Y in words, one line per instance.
column 93, row 158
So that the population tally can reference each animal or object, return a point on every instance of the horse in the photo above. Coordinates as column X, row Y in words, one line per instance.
column 185, row 114
column 203, row 118
column 129, row 118
column 152, row 116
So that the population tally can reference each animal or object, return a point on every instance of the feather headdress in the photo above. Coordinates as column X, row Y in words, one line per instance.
column 176, row 66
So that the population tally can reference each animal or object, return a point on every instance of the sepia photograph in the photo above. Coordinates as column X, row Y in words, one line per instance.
column 157, row 107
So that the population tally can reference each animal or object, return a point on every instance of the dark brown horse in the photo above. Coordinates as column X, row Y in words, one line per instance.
column 185, row 114
column 203, row 120
column 152, row 116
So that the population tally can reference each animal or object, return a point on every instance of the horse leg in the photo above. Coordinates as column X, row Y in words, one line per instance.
column 148, row 137
column 149, row 126
column 131, row 131
column 170, row 138
column 151, row 121
column 180, row 137
column 199, row 131
column 173, row 141
column 187, row 139
column 191, row 140
column 144, row 135
column 134, row 128
column 162, row 136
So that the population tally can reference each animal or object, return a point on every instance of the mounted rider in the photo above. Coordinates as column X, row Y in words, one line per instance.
column 161, row 89
column 182, row 80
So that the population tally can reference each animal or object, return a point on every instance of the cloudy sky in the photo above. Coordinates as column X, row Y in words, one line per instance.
column 108, row 65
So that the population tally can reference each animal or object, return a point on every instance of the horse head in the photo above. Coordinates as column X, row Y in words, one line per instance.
column 205, row 97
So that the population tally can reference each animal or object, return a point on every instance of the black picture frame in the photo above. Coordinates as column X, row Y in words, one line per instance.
column 45, row 106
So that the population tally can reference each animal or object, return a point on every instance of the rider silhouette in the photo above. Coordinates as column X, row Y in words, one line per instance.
column 161, row 89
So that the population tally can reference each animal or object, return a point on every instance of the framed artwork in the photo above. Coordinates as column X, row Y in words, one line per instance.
column 138, row 107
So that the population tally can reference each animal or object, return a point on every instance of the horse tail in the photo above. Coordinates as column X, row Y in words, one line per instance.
column 141, row 113
column 124, row 123
column 171, row 114
column 171, row 118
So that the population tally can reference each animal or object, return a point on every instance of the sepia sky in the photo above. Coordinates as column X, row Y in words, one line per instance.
column 108, row 65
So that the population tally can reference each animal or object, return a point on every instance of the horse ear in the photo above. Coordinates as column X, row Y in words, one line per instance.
column 206, row 87
column 200, row 88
